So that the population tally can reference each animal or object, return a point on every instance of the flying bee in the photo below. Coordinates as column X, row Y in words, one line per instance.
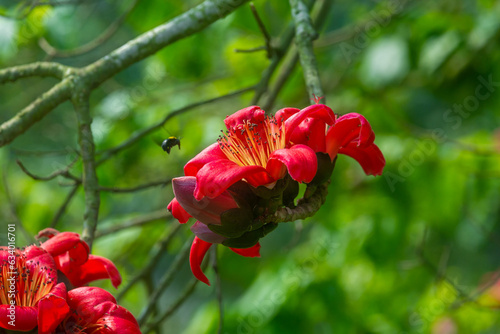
column 169, row 143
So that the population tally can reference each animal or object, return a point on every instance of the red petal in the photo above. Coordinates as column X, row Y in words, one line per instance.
column 370, row 158
column 48, row 232
column 24, row 317
column 208, row 210
column 300, row 160
column 311, row 132
column 215, row 177
column 317, row 111
column 285, row 113
column 94, row 269
column 178, row 212
column 91, row 303
column 348, row 128
column 67, row 242
column 251, row 114
column 52, row 309
column 39, row 257
column 253, row 251
column 120, row 320
column 198, row 250
column 211, row 153
column 365, row 133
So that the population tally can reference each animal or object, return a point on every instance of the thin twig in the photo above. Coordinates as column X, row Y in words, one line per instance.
column 263, row 30
column 65, row 204
column 134, row 222
column 60, row 172
column 13, row 211
column 165, row 281
column 174, row 307
column 218, row 289
column 259, row 48
column 38, row 69
column 278, row 53
column 134, row 189
column 136, row 137
column 159, row 249
column 99, row 40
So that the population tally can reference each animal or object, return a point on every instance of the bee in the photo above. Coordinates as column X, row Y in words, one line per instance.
column 169, row 143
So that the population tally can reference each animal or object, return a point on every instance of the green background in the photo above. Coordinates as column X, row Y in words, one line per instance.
column 405, row 252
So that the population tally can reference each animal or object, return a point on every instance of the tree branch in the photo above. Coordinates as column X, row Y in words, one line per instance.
column 34, row 112
column 304, row 36
column 80, row 99
column 38, row 69
column 192, row 21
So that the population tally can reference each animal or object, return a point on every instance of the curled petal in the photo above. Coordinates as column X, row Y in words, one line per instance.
column 370, row 158
column 316, row 111
column 215, row 177
column 300, row 160
column 311, row 132
column 253, row 251
column 349, row 128
column 198, row 250
column 177, row 211
column 204, row 233
column 95, row 268
column 67, row 242
column 251, row 114
column 211, row 153
column 91, row 303
column 365, row 135
column 206, row 210
column 52, row 309
column 285, row 113
column 120, row 320
column 48, row 233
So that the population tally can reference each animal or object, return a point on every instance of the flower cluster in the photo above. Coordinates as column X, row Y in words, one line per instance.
column 241, row 187
column 42, row 287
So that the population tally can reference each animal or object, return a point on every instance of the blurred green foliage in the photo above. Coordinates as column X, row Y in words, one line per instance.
column 402, row 253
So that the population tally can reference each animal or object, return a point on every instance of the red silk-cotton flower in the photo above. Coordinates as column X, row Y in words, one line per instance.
column 29, row 294
column 241, row 187
column 94, row 311
column 256, row 148
column 72, row 258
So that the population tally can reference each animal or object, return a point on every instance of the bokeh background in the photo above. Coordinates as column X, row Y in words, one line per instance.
column 415, row 250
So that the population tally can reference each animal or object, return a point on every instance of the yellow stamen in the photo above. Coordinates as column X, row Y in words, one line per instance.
column 252, row 144
column 31, row 282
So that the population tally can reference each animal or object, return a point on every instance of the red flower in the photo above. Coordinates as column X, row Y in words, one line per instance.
column 72, row 258
column 94, row 310
column 261, row 150
column 207, row 212
column 29, row 294
column 257, row 148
